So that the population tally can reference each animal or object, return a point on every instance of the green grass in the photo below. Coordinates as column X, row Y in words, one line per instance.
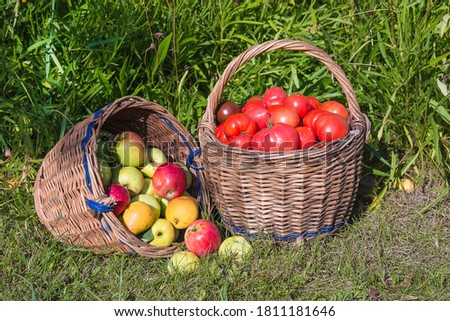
column 387, row 254
column 60, row 61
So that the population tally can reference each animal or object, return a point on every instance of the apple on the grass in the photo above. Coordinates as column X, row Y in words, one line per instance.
column 236, row 247
column 130, row 149
column 155, row 158
column 202, row 237
column 130, row 178
column 169, row 181
column 163, row 233
column 183, row 262
column 121, row 196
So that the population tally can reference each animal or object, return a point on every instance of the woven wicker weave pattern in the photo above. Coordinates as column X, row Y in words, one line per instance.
column 61, row 188
column 289, row 196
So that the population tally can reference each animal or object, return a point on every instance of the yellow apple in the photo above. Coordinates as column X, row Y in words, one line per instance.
column 183, row 262
column 150, row 201
column 182, row 211
column 163, row 233
column 236, row 247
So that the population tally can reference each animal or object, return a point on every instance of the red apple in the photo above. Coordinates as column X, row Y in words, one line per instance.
column 121, row 196
column 202, row 237
column 169, row 181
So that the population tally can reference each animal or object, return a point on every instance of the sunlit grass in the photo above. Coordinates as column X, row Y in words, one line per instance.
column 60, row 61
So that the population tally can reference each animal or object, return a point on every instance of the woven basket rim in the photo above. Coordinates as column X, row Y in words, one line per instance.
column 207, row 126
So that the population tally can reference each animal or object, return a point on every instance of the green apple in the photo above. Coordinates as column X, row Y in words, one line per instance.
column 186, row 193
column 156, row 155
column 164, row 202
column 148, row 188
column 130, row 149
column 130, row 178
column 150, row 201
column 183, row 262
column 149, row 169
column 187, row 173
column 105, row 171
column 163, row 233
column 235, row 246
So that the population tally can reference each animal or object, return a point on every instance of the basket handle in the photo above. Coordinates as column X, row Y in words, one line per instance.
column 358, row 118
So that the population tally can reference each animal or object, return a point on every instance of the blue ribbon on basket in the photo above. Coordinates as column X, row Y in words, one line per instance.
column 95, row 206
column 289, row 237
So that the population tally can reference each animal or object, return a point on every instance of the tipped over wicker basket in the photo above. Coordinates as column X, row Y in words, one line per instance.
column 287, row 196
column 69, row 196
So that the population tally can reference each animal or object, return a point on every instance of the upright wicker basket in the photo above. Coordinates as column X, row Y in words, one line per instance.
column 69, row 196
column 287, row 196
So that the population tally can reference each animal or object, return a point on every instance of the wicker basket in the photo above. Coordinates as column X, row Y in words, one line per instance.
column 69, row 196
column 287, row 196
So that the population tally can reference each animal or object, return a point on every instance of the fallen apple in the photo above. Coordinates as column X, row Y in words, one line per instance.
column 169, row 181
column 202, row 237
column 236, row 247
column 121, row 196
column 407, row 185
column 183, row 262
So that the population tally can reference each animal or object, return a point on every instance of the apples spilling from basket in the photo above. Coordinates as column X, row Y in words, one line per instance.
column 152, row 199
column 151, row 193
column 280, row 122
